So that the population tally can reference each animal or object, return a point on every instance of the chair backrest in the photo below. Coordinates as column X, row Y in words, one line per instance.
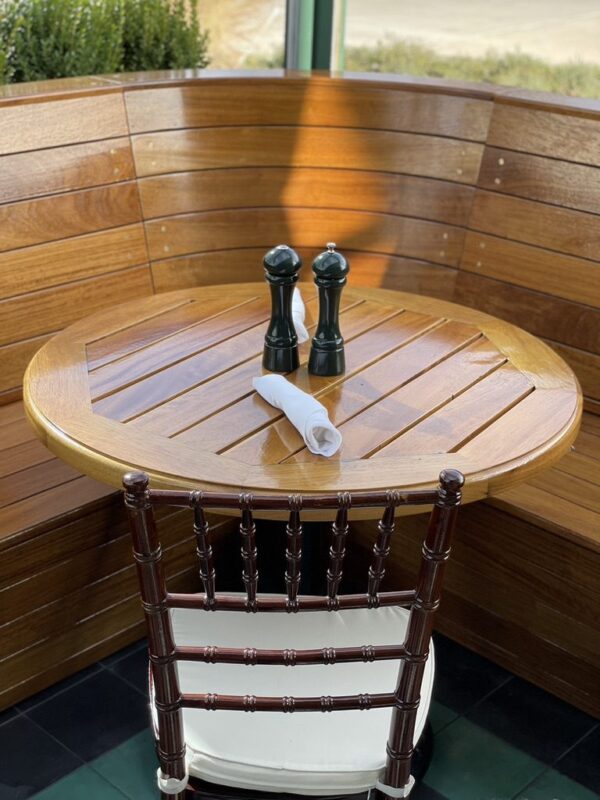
column 422, row 602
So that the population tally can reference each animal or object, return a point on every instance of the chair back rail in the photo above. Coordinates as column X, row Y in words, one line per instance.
column 422, row 602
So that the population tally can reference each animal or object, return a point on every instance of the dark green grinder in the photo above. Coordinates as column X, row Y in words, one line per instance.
column 280, row 353
column 327, row 351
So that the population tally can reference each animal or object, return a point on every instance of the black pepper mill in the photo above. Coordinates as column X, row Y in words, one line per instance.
column 327, row 351
column 280, row 353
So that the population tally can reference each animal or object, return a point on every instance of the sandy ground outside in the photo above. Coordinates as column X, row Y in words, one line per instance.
column 555, row 30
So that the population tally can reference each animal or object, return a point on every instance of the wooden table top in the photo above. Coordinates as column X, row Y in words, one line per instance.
column 164, row 384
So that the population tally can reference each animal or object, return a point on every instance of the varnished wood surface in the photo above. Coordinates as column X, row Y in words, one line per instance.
column 428, row 384
column 67, row 585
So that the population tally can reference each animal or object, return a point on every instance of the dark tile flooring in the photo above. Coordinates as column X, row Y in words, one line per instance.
column 496, row 737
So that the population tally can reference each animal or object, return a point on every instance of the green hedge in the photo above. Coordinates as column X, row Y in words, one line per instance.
column 42, row 39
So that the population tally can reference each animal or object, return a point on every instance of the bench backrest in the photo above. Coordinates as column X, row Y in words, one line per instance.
column 71, row 235
column 481, row 195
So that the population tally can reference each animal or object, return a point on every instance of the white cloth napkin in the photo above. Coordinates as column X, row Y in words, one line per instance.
column 298, row 314
column 305, row 413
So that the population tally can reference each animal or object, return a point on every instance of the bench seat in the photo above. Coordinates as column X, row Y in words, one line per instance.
column 523, row 582
column 68, row 590
column 112, row 189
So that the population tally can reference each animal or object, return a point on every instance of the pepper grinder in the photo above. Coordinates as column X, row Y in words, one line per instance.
column 280, row 353
column 327, row 351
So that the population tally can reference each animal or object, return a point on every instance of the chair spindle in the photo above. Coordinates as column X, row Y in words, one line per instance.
column 337, row 550
column 249, row 552
column 293, row 552
column 204, row 549
column 381, row 548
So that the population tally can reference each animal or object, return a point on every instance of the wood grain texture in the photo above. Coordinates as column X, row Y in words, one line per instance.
column 561, row 136
column 31, row 315
column 585, row 365
column 244, row 264
column 567, row 231
column 51, row 123
column 14, row 358
column 353, row 230
column 519, row 594
column 306, row 102
column 60, row 263
column 338, row 148
column 65, row 169
column 372, row 407
column 542, row 314
column 206, row 190
column 47, row 219
column 533, row 268
column 560, row 183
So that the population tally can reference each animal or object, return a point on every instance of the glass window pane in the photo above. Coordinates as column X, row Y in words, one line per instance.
column 550, row 45
column 244, row 33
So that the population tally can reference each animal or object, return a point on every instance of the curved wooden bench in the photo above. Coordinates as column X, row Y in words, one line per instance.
column 117, row 188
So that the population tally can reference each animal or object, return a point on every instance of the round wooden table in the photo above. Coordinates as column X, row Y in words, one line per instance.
column 164, row 385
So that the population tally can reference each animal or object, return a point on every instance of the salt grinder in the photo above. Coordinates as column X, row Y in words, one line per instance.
column 327, row 351
column 280, row 353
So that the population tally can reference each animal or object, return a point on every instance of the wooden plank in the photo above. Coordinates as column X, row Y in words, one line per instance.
column 14, row 359
column 561, row 183
column 530, row 421
column 368, row 269
column 54, row 503
column 34, row 479
column 463, row 417
column 352, row 230
column 15, row 433
column 52, row 123
column 580, row 466
column 22, row 456
column 369, row 430
column 561, row 516
column 65, row 169
column 590, row 424
column 533, row 267
column 588, row 444
column 222, row 320
column 348, row 397
column 182, row 376
column 561, row 136
column 34, row 314
column 84, row 569
column 572, row 232
column 62, row 216
column 184, row 192
column 132, row 337
column 541, row 314
column 585, row 365
column 232, row 429
column 58, row 263
column 188, row 408
column 293, row 146
column 578, row 491
column 11, row 413
column 303, row 102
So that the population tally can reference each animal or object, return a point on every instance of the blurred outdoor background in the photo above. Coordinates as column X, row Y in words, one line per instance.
column 551, row 45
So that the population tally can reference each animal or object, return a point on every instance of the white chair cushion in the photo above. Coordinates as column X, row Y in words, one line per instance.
column 311, row 753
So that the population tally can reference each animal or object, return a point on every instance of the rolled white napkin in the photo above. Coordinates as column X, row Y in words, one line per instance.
column 298, row 314
column 305, row 413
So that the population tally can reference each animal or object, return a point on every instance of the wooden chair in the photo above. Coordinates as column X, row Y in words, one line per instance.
column 339, row 754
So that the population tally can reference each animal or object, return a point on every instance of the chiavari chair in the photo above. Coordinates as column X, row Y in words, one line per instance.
column 232, row 654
